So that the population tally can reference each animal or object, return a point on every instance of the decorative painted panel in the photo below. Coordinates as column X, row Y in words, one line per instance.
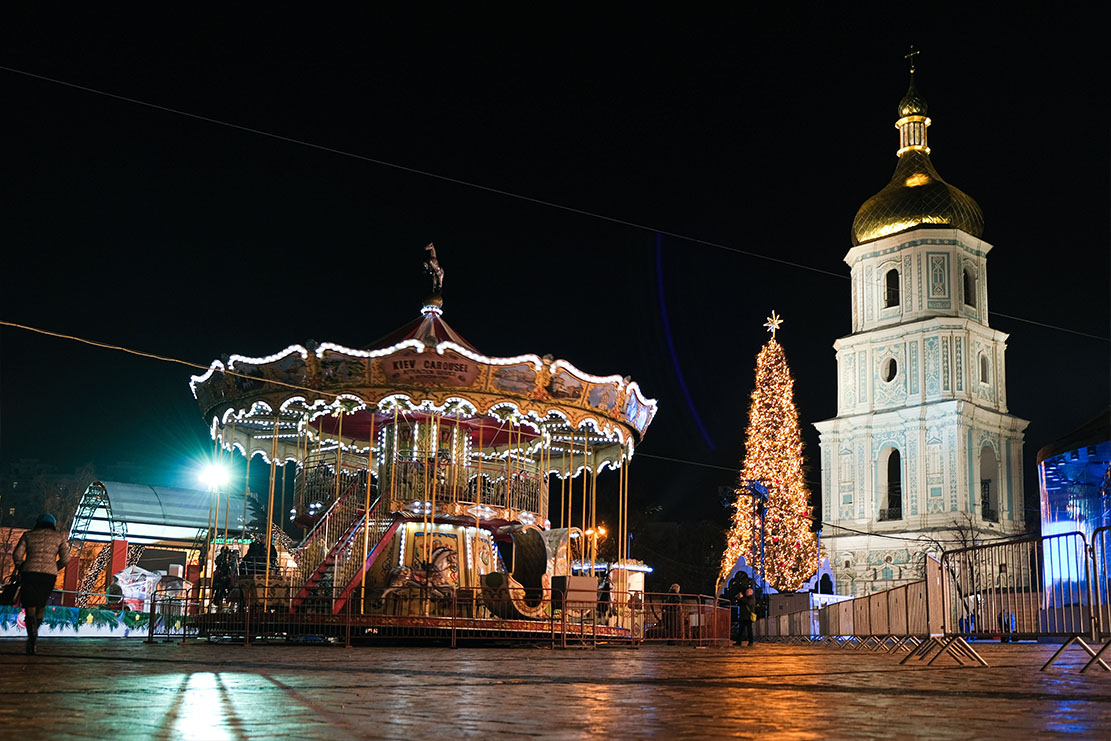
column 862, row 476
column 918, row 278
column 952, row 442
column 958, row 369
column 933, row 365
column 856, row 301
column 889, row 393
column 912, row 352
column 861, row 375
column 908, row 295
column 939, row 274
column 939, row 280
column 945, row 363
column 869, row 292
column 912, row 470
column 849, row 379
column 936, row 502
column 826, row 484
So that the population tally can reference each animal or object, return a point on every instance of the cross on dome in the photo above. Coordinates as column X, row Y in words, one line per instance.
column 911, row 56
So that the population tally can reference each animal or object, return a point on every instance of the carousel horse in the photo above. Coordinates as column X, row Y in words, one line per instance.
column 435, row 576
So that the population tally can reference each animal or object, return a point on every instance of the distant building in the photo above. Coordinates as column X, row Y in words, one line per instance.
column 1074, row 479
column 922, row 445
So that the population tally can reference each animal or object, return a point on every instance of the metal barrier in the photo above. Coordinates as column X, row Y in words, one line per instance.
column 1101, row 593
column 1027, row 588
column 451, row 617
column 905, row 618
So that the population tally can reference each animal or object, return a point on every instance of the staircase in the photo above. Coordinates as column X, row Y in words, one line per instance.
column 331, row 555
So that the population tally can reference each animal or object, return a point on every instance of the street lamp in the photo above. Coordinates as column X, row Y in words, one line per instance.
column 214, row 476
column 759, row 493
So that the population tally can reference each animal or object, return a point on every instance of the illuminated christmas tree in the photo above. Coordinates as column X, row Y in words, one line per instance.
column 773, row 461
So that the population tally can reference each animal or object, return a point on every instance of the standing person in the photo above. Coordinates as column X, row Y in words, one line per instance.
column 673, row 614
column 37, row 555
column 604, row 598
column 747, row 618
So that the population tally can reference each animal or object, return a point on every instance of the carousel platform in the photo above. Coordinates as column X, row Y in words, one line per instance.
column 284, row 627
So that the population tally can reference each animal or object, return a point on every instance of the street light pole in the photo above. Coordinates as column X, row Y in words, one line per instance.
column 759, row 493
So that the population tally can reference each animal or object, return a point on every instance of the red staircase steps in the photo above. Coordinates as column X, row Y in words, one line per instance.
column 371, row 557
column 328, row 560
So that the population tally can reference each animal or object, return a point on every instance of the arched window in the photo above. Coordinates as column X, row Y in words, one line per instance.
column 970, row 287
column 989, row 484
column 985, row 369
column 891, row 488
column 891, row 289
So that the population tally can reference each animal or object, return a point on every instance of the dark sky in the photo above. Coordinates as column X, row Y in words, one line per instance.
column 178, row 237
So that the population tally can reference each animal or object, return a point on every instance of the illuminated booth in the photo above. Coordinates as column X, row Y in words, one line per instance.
column 1074, row 480
column 118, row 525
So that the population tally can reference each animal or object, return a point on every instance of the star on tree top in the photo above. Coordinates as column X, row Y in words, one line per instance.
column 773, row 323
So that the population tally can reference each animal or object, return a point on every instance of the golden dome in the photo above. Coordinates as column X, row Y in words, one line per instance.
column 916, row 195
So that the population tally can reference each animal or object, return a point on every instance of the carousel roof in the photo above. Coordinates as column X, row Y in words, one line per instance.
column 424, row 367
column 429, row 328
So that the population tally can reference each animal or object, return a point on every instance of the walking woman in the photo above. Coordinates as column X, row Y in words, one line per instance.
column 37, row 556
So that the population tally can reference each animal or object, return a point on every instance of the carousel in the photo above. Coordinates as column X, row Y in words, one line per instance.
column 431, row 479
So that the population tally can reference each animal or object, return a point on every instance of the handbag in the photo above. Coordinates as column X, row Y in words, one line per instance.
column 752, row 616
column 9, row 596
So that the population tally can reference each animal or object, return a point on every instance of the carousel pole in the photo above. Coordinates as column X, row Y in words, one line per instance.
column 569, row 481
column 227, row 503
column 285, row 467
column 477, row 509
column 509, row 466
column 434, row 443
column 339, row 453
column 594, row 509
column 424, row 499
column 270, row 513
column 584, row 508
column 202, row 565
column 246, row 491
column 393, row 457
column 366, row 511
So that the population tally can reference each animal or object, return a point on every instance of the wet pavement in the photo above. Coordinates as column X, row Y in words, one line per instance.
column 111, row 688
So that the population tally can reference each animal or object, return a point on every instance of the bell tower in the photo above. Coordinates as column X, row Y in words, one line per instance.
column 922, row 451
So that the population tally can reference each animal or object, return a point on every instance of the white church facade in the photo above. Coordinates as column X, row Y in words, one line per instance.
column 922, row 450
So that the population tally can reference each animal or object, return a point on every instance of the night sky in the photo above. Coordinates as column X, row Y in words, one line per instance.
column 764, row 133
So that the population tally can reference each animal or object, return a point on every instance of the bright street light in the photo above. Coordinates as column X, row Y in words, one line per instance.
column 214, row 476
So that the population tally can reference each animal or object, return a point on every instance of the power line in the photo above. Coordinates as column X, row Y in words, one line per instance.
column 189, row 364
column 486, row 188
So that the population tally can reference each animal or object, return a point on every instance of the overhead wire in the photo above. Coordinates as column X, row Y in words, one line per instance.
column 484, row 188
column 187, row 363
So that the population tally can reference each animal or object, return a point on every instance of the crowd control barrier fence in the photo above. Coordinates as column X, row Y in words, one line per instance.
column 422, row 614
column 1055, row 587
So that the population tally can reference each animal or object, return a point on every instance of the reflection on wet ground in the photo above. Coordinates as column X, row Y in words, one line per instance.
column 101, row 688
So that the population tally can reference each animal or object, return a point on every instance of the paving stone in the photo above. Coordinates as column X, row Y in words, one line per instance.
column 101, row 688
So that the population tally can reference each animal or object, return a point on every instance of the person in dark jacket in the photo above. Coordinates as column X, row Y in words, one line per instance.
column 748, row 615
column 673, row 614
column 604, row 598
column 38, row 555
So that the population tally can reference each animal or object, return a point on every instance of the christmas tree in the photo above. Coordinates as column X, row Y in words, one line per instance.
column 773, row 461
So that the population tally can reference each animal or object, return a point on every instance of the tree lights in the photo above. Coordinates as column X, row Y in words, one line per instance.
column 773, row 457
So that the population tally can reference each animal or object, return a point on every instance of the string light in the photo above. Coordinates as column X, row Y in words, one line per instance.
column 773, row 457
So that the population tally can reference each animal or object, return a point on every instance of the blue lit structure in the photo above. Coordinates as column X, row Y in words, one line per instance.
column 1074, row 478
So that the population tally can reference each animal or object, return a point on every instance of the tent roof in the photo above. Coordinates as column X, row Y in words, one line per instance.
column 158, row 505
